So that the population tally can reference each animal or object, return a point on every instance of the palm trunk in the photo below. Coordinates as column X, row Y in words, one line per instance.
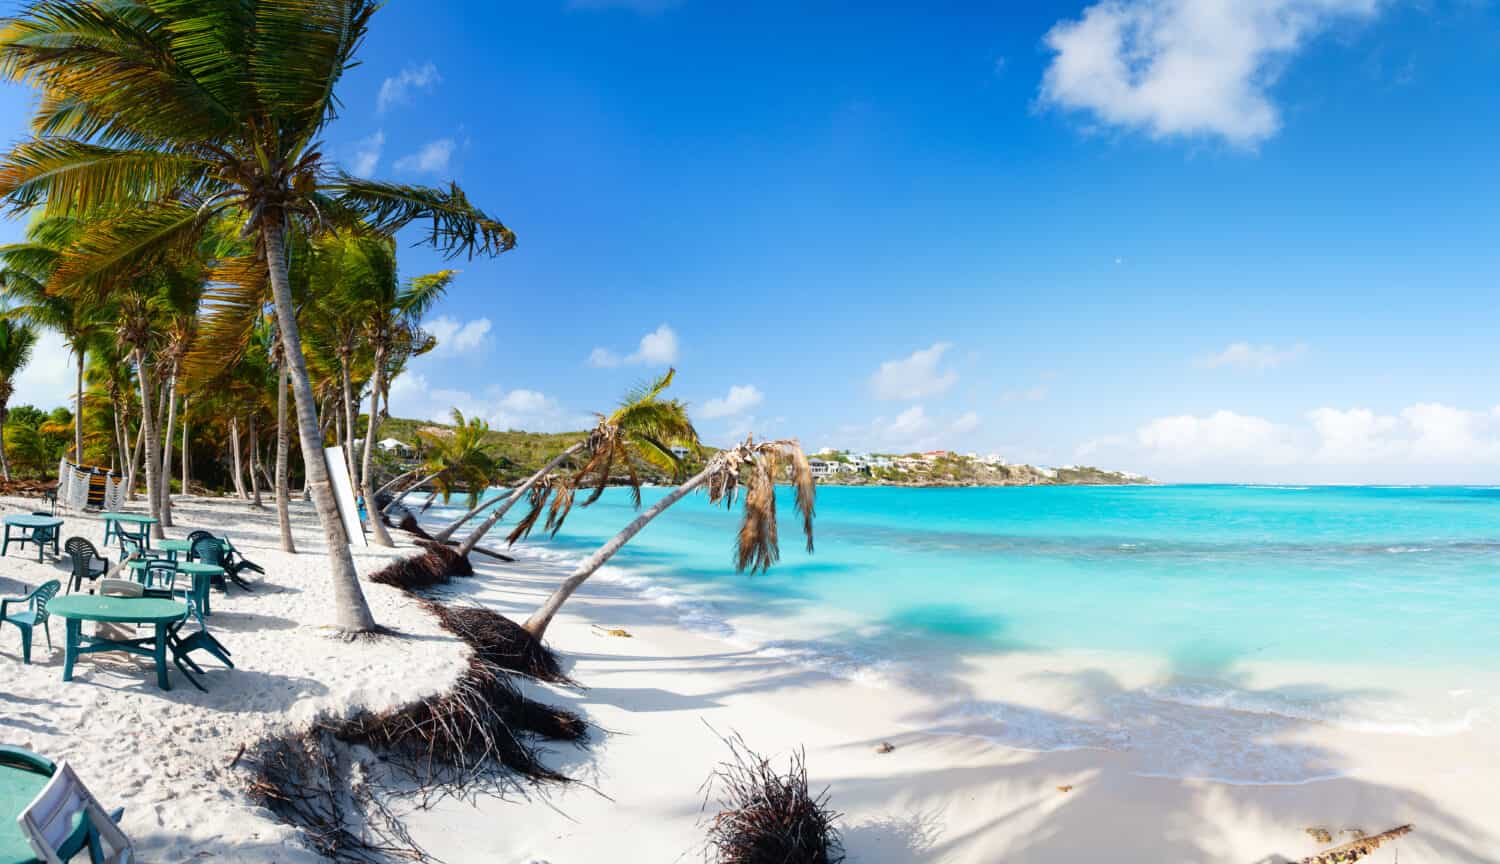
column 132, row 468
column 283, row 466
column 399, row 478
column 78, row 414
column 187, row 458
column 4, row 463
column 351, row 611
column 510, row 501
column 235, row 465
column 408, row 490
column 166, row 451
column 348, row 438
column 255, row 465
column 377, row 524
column 118, row 457
column 153, row 445
column 536, row 625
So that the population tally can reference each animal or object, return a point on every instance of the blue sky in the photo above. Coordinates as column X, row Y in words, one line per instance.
column 1202, row 239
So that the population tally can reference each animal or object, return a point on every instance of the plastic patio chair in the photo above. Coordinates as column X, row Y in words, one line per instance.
column 117, row 588
column 133, row 547
column 84, row 556
column 35, row 613
column 160, row 577
column 48, row 822
column 193, row 537
column 199, row 640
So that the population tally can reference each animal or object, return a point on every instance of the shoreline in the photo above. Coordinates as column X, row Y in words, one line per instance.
column 663, row 692
column 958, row 786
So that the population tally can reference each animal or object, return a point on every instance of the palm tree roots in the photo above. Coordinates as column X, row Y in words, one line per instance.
column 435, row 565
column 767, row 817
column 503, row 642
column 308, row 780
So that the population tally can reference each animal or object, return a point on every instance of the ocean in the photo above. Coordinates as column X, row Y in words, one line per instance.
column 1206, row 587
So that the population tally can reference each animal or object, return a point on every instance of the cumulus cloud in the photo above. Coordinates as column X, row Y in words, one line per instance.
column 431, row 159
column 1426, row 442
column 413, row 394
column 910, row 430
column 657, row 348
column 367, row 154
column 397, row 89
column 457, row 337
column 47, row 381
column 1243, row 355
column 741, row 398
column 1190, row 68
column 915, row 376
column 966, row 423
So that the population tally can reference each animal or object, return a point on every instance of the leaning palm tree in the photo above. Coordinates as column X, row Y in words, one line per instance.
column 16, row 341
column 641, row 431
column 457, row 460
column 165, row 114
column 756, row 466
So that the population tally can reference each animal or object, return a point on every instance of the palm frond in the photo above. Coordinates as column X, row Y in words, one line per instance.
column 457, row 227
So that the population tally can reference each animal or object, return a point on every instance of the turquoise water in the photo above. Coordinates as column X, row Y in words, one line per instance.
column 1199, row 575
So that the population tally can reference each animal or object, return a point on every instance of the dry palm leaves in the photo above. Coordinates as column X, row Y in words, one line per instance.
column 762, row 464
column 767, row 817
column 1353, row 851
column 501, row 641
column 436, row 565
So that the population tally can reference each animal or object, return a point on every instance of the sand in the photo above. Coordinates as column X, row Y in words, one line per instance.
column 952, row 790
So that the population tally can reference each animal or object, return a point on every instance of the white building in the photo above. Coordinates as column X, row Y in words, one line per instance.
column 822, row 467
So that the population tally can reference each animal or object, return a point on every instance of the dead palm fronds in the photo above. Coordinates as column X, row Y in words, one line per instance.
column 1357, row 849
column 766, row 816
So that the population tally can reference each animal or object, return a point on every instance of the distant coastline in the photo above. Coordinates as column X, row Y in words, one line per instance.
column 943, row 468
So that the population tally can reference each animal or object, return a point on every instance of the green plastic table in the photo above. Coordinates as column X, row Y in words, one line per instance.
column 37, row 530
column 203, row 576
column 174, row 548
column 113, row 521
column 22, row 776
column 156, row 611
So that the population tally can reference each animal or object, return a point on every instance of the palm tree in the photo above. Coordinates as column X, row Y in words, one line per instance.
column 453, row 461
column 16, row 341
column 756, row 466
column 27, row 269
column 165, row 115
column 641, row 431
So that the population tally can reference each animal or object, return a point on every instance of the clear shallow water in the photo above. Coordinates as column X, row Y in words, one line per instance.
column 1203, row 579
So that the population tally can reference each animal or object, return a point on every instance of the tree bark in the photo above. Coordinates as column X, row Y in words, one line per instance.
column 510, row 501
column 377, row 524
column 4, row 462
column 133, row 467
column 283, row 466
column 119, row 449
column 255, row 465
column 153, row 445
column 236, row 466
column 351, row 611
column 78, row 413
column 536, row 625
column 165, row 472
column 409, row 489
column 187, row 458
column 348, row 422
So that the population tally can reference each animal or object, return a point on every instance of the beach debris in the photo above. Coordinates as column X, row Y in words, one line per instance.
column 435, row 565
column 1356, row 833
column 1321, row 835
column 1065, row 788
column 501, row 641
column 612, row 631
column 885, row 747
column 766, row 816
column 1356, row 849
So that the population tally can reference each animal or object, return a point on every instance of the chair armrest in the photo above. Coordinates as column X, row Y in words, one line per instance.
column 13, row 755
column 6, row 601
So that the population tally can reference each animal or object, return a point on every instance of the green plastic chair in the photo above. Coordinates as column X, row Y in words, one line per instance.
column 35, row 613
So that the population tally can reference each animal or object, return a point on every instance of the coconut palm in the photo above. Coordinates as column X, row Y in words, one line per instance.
column 457, row 460
column 27, row 269
column 641, row 431
column 756, row 466
column 17, row 339
column 165, row 114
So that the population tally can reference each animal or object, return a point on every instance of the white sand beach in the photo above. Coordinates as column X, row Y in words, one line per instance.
column 949, row 791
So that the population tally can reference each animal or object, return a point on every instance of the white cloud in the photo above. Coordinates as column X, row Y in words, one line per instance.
column 657, row 348
column 47, row 381
column 431, row 159
column 1427, row 442
column 915, row 376
column 397, row 90
column 741, row 398
column 413, row 395
column 1031, row 394
column 912, row 429
column 1189, row 439
column 1243, row 355
column 367, row 154
column 457, row 337
column 1189, row 68
column 967, row 423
